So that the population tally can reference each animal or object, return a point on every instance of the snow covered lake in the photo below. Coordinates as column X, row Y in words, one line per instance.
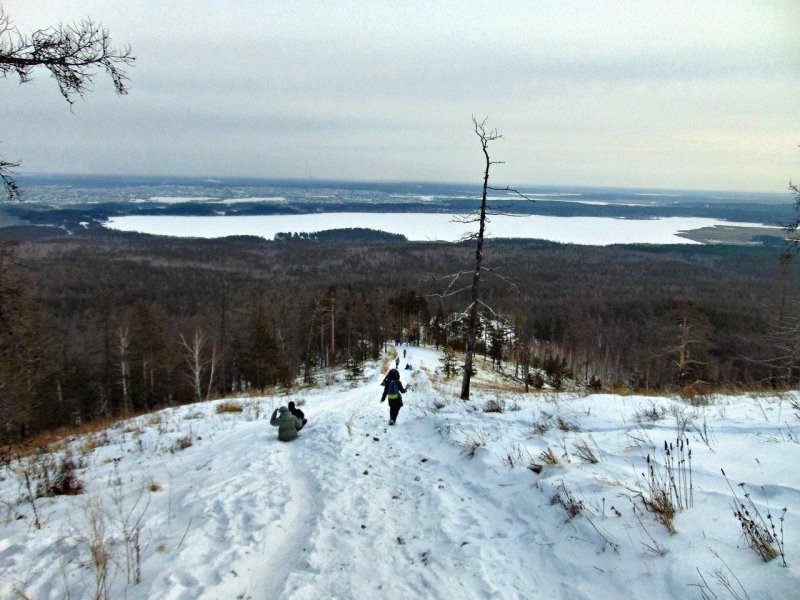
column 596, row 231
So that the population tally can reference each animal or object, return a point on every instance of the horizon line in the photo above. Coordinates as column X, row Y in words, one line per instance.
column 310, row 179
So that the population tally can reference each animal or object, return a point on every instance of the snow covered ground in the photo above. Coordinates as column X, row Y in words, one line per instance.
column 196, row 503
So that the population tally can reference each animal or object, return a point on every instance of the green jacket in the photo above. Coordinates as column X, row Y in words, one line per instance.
column 288, row 425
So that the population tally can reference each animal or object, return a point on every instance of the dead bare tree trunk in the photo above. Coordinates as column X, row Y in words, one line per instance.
column 332, row 295
column 683, row 347
column 124, row 343
column 472, row 319
column 212, row 367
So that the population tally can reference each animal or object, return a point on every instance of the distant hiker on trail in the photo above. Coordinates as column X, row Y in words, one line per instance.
column 392, row 389
column 404, row 352
column 298, row 413
column 288, row 425
column 397, row 362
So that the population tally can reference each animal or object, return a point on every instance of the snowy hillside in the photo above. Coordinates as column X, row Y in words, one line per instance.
column 202, row 502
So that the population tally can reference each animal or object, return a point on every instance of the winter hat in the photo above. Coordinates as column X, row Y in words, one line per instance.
column 291, row 405
column 283, row 409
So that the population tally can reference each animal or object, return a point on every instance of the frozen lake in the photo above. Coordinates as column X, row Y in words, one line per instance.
column 596, row 231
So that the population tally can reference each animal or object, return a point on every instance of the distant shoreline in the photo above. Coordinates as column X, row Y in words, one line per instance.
column 75, row 203
column 106, row 180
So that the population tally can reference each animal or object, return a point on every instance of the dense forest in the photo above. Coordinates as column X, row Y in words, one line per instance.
column 103, row 323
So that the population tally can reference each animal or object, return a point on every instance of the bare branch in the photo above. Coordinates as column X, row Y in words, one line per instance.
column 6, row 176
column 451, row 293
column 513, row 191
column 72, row 53
column 496, row 212
column 502, row 277
column 485, row 136
column 454, row 277
column 468, row 236
column 792, row 230
column 470, row 218
column 494, row 314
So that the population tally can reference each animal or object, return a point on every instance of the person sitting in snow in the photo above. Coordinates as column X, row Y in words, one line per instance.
column 393, row 390
column 298, row 413
column 288, row 425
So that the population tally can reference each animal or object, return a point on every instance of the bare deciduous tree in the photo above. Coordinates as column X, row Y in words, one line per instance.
column 72, row 53
column 201, row 369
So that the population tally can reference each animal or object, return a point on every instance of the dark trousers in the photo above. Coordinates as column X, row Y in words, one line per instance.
column 394, row 408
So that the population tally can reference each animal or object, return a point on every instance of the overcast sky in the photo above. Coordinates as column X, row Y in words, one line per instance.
column 695, row 94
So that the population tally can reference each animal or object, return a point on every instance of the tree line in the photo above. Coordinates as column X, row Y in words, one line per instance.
column 107, row 323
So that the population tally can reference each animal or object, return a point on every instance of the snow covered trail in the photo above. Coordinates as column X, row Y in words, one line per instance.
column 279, row 544
column 440, row 505
column 399, row 517
column 237, row 498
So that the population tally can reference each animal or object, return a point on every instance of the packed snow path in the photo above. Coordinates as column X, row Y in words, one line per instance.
column 440, row 505
column 373, row 504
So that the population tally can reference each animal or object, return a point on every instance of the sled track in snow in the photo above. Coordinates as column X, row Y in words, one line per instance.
column 288, row 539
column 278, row 548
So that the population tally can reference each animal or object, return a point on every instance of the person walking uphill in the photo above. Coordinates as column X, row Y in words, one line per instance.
column 393, row 390
column 288, row 425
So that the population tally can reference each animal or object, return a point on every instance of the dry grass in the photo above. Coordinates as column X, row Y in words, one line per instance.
column 494, row 386
column 659, row 503
column 650, row 413
column 99, row 543
column 585, row 453
column 472, row 442
column 229, row 406
column 761, row 535
column 567, row 501
column 656, row 497
column 541, row 427
column 494, row 406
column 565, row 425
column 548, row 457
column 609, row 481
column 95, row 441
column 387, row 362
column 639, row 439
column 53, row 441
column 697, row 394
column 47, row 475
column 182, row 443
column 624, row 390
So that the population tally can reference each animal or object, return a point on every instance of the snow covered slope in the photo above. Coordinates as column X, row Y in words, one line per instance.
column 195, row 502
